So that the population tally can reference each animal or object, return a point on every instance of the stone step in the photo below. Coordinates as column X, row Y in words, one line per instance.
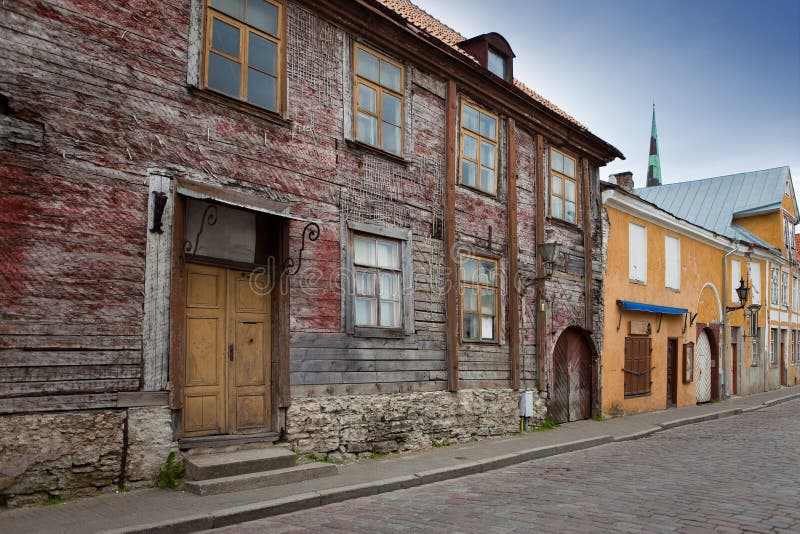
column 249, row 481
column 227, row 464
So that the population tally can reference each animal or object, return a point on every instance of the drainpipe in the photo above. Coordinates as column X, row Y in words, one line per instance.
column 725, row 320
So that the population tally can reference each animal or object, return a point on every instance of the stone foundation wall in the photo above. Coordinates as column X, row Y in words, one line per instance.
column 75, row 454
column 343, row 426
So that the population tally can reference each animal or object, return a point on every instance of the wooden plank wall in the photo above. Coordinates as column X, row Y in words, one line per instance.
column 98, row 104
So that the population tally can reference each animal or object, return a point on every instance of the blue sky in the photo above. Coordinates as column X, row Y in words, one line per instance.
column 724, row 75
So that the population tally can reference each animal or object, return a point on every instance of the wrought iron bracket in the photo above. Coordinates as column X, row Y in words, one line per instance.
column 311, row 231
column 209, row 217
column 159, row 203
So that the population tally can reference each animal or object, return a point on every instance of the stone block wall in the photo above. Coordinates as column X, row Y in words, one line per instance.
column 75, row 454
column 341, row 427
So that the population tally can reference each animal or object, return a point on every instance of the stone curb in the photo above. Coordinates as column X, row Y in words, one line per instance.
column 699, row 418
column 780, row 400
column 638, row 435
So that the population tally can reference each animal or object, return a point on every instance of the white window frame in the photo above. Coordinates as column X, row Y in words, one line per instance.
column 637, row 255
column 774, row 345
column 755, row 280
column 784, row 289
column 672, row 263
column 774, row 287
column 736, row 275
column 796, row 294
column 404, row 237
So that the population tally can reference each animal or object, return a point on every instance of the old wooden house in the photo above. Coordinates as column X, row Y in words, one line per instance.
column 229, row 222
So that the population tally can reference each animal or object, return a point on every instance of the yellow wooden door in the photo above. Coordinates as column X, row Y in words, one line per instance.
column 249, row 364
column 227, row 354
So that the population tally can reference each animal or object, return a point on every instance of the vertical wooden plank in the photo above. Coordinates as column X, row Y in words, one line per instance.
column 195, row 43
column 177, row 305
column 157, row 283
column 587, row 246
column 450, row 238
column 281, row 394
column 513, row 255
column 541, row 169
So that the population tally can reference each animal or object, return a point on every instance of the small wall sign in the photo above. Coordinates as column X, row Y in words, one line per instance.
column 688, row 362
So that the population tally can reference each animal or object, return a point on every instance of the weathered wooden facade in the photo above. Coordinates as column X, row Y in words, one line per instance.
column 239, row 221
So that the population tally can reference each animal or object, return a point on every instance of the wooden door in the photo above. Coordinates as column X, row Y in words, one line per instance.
column 672, row 373
column 572, row 378
column 702, row 357
column 735, row 367
column 227, row 354
column 781, row 361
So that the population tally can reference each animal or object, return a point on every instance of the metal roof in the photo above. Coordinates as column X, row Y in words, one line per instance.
column 713, row 203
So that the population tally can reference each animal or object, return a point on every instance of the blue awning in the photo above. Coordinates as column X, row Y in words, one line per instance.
column 652, row 308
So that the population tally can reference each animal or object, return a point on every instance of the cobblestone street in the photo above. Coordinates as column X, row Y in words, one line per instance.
column 730, row 475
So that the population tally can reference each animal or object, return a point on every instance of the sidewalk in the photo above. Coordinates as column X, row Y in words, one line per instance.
column 153, row 510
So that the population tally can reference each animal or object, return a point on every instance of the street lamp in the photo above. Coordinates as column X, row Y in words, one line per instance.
column 742, row 292
column 549, row 251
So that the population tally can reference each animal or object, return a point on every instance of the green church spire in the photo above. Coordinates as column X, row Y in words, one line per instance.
column 653, row 163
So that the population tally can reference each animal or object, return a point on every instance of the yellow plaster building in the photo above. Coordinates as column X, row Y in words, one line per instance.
column 675, row 330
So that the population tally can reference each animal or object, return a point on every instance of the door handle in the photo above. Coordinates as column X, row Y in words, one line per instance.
column 230, row 352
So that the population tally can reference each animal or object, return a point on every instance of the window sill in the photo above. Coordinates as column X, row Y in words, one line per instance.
column 637, row 282
column 637, row 395
column 479, row 191
column 358, row 145
column 480, row 342
column 377, row 332
column 239, row 105
column 564, row 223
column 672, row 290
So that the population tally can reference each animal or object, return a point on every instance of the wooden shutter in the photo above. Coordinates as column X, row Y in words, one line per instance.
column 672, row 265
column 637, row 252
column 637, row 366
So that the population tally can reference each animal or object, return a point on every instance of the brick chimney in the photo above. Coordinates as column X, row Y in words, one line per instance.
column 624, row 180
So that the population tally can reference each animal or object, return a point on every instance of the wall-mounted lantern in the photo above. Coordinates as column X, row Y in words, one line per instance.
column 742, row 292
column 548, row 251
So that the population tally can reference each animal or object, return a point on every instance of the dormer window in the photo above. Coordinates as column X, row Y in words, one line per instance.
column 493, row 53
column 497, row 64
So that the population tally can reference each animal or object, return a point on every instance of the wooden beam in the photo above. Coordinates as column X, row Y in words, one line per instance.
column 451, row 266
column 587, row 245
column 541, row 169
column 513, row 255
column 177, row 305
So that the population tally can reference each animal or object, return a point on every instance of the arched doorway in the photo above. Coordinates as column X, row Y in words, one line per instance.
column 572, row 377
column 703, row 367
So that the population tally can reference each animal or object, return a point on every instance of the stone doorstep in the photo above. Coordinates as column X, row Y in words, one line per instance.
column 228, row 464
column 276, row 477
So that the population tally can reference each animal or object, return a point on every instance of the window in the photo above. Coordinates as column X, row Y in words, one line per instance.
column 755, row 278
column 755, row 355
column 478, row 149
column 794, row 346
column 736, row 276
column 378, row 278
column 243, row 51
column 637, row 366
column 672, row 263
column 784, row 289
column 788, row 236
column 479, row 296
column 378, row 101
column 797, row 347
column 774, row 288
column 637, row 253
column 773, row 355
column 563, row 187
column 796, row 294
column 497, row 64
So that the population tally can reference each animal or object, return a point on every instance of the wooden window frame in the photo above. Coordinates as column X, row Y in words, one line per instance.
column 377, row 271
column 774, row 346
column 562, row 194
column 479, row 287
column 463, row 131
column 647, row 373
column 379, row 90
column 784, row 289
column 775, row 287
column 755, row 349
column 404, row 237
column 209, row 14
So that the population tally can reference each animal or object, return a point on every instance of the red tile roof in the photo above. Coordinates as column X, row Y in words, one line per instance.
column 436, row 28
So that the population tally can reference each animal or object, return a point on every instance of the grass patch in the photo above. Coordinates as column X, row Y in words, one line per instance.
column 374, row 455
column 442, row 443
column 311, row 457
column 52, row 501
column 599, row 418
column 547, row 424
column 171, row 473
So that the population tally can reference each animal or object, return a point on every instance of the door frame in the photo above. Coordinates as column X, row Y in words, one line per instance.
column 592, row 355
column 672, row 358
column 280, row 394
